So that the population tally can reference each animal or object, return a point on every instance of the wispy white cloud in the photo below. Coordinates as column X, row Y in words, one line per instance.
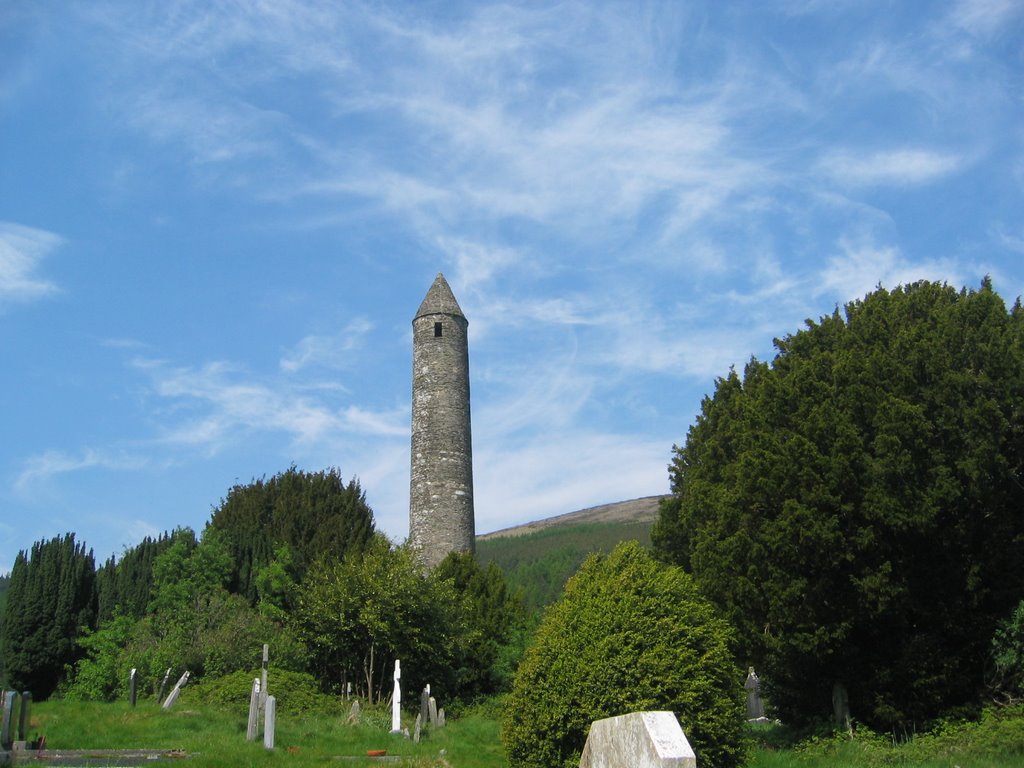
column 532, row 481
column 21, row 251
column 900, row 167
column 861, row 266
column 39, row 470
column 328, row 351
column 210, row 407
column 984, row 17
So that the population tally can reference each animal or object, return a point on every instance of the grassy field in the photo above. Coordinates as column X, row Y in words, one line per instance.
column 216, row 737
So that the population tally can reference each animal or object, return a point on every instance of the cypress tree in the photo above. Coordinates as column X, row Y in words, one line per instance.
column 51, row 600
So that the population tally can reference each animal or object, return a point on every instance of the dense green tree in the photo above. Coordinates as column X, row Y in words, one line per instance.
column 494, row 620
column 315, row 514
column 629, row 634
column 125, row 585
column 1008, row 657
column 4, row 583
column 857, row 506
column 195, row 623
column 50, row 600
column 359, row 614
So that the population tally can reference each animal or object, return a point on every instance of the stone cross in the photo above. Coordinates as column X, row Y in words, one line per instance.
column 254, row 711
column 638, row 740
column 396, row 700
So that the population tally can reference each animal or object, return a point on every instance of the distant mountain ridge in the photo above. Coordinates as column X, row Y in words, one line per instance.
column 539, row 556
column 642, row 510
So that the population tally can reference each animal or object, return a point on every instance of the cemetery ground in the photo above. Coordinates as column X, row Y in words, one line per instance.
column 215, row 736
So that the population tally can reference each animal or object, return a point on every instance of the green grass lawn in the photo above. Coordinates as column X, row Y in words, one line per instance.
column 215, row 736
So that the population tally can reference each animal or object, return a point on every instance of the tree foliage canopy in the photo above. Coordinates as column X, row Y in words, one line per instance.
column 629, row 634
column 857, row 506
column 50, row 598
column 359, row 614
column 313, row 513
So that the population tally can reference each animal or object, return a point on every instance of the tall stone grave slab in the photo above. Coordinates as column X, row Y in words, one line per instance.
column 254, row 711
column 7, row 720
column 755, row 705
column 269, row 722
column 396, row 700
column 25, row 717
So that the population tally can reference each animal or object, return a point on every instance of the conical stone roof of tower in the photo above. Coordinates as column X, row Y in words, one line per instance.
column 440, row 300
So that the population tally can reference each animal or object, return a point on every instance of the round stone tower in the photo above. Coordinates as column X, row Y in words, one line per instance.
column 441, row 490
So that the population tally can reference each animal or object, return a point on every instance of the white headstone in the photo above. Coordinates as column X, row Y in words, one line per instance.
column 638, row 740
column 254, row 711
column 396, row 700
column 176, row 691
column 269, row 722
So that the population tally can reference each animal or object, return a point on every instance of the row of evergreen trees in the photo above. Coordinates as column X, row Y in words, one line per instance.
column 274, row 553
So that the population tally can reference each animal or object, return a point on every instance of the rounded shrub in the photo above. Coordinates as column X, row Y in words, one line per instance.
column 629, row 634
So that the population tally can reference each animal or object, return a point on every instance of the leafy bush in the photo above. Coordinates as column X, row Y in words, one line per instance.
column 296, row 693
column 1008, row 655
column 629, row 634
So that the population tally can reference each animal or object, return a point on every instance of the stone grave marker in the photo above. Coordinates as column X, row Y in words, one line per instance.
column 263, row 677
column 131, row 686
column 25, row 718
column 254, row 711
column 163, row 685
column 396, row 700
column 638, row 740
column 425, row 703
column 755, row 705
column 269, row 722
column 172, row 697
column 7, row 721
column 432, row 706
column 354, row 714
column 417, row 728
column 440, row 718
column 841, row 707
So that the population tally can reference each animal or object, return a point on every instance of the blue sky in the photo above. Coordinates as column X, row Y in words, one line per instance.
column 217, row 220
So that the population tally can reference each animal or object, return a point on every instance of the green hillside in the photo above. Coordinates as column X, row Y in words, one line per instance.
column 539, row 563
